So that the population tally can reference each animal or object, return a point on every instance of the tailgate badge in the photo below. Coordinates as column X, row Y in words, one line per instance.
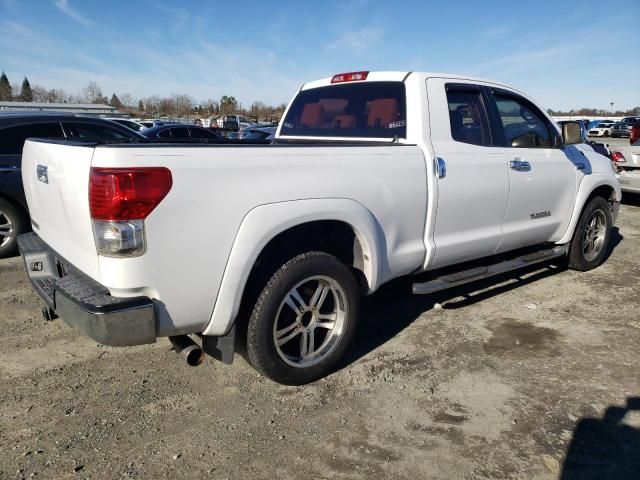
column 43, row 174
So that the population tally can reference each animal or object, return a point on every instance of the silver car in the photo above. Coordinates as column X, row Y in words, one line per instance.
column 627, row 159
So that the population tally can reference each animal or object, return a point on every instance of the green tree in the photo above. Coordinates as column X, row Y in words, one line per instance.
column 115, row 101
column 228, row 104
column 140, row 106
column 26, row 94
column 5, row 89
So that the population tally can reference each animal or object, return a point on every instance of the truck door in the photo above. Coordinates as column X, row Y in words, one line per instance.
column 472, row 178
column 543, row 178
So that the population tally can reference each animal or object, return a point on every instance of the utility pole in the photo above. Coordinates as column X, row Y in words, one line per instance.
column 611, row 107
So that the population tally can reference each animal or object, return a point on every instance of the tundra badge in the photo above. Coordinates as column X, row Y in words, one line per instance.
column 43, row 174
column 535, row 216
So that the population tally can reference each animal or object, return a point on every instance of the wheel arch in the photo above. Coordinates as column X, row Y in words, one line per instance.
column 591, row 186
column 279, row 227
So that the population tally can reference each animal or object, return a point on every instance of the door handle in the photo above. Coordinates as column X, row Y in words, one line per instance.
column 520, row 165
column 441, row 168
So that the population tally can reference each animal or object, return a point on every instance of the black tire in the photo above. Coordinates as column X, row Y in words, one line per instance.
column 10, row 214
column 271, row 312
column 581, row 257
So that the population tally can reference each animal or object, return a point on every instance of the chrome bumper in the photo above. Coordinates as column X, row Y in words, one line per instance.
column 82, row 302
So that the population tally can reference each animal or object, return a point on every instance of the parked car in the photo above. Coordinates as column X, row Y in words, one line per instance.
column 135, row 126
column 623, row 128
column 600, row 130
column 14, row 129
column 260, row 133
column 153, row 123
column 635, row 134
column 237, row 122
column 374, row 175
column 609, row 123
column 180, row 132
column 627, row 161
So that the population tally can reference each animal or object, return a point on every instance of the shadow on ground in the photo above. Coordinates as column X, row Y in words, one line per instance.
column 605, row 448
column 393, row 307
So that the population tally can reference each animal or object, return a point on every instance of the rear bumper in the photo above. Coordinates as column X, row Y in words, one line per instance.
column 82, row 302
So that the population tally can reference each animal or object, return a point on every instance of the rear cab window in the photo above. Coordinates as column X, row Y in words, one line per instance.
column 363, row 109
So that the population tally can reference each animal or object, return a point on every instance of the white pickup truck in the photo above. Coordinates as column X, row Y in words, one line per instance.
column 373, row 175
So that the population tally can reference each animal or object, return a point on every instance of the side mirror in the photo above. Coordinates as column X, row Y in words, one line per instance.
column 571, row 133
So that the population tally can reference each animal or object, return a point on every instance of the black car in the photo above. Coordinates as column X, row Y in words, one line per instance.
column 178, row 132
column 623, row 127
column 14, row 130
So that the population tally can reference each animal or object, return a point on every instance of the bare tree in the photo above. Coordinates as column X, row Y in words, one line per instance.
column 92, row 93
column 40, row 94
column 126, row 100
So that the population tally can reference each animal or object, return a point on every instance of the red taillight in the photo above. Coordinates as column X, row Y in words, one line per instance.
column 349, row 77
column 127, row 193
column 617, row 157
column 635, row 134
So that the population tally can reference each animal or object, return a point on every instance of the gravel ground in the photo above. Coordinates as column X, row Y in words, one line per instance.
column 535, row 376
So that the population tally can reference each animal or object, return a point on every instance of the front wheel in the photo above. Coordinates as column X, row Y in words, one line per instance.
column 591, row 237
column 304, row 319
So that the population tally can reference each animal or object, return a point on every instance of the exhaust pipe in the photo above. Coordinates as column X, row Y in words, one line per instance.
column 191, row 351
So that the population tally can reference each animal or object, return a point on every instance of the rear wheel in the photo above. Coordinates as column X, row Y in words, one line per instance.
column 12, row 224
column 304, row 319
column 589, row 244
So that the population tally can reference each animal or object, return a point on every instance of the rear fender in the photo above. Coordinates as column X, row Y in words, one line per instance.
column 263, row 223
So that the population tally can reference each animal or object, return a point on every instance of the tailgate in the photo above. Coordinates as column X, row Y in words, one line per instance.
column 56, row 185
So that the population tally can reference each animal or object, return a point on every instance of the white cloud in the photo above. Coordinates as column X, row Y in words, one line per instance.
column 64, row 7
column 357, row 40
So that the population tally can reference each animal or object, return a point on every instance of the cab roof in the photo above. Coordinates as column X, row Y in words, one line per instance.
column 393, row 76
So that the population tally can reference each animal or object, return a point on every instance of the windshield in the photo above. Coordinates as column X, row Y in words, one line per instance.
column 364, row 109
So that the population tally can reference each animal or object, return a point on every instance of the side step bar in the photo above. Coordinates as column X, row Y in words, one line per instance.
column 478, row 273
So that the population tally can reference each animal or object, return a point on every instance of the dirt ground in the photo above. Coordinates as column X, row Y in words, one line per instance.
column 535, row 376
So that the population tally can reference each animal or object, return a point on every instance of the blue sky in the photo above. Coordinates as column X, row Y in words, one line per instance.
column 566, row 54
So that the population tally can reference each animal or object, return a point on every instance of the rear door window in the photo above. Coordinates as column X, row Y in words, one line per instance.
column 179, row 133
column 203, row 133
column 468, row 116
column 363, row 109
column 12, row 138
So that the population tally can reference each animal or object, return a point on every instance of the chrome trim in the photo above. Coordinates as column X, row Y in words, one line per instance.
column 520, row 165
column 9, row 169
column 441, row 168
column 43, row 173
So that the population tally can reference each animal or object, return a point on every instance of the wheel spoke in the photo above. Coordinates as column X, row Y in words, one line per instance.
column 291, row 300
column 282, row 340
column 311, row 346
column 282, row 332
column 304, row 345
column 319, row 296
column 329, row 320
